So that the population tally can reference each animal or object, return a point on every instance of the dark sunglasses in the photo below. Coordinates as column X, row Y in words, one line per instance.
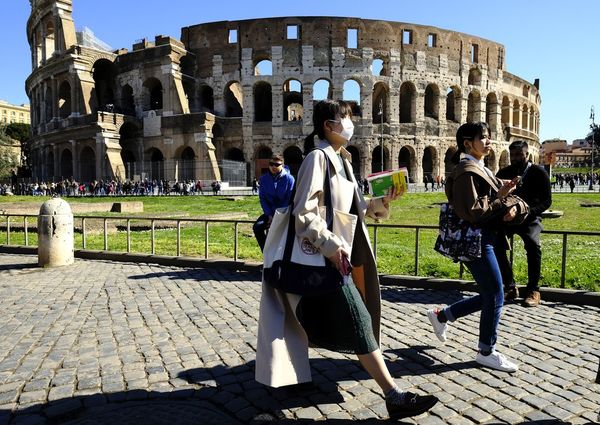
column 275, row 164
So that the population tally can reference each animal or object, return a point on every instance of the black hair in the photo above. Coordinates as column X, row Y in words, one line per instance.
column 468, row 131
column 519, row 144
column 323, row 111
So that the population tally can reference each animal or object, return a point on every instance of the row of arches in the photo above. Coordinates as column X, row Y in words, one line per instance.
column 86, row 162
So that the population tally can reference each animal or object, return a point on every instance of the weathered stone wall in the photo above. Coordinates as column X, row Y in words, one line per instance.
column 204, row 93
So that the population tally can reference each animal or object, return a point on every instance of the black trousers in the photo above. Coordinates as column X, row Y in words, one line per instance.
column 260, row 228
column 530, row 234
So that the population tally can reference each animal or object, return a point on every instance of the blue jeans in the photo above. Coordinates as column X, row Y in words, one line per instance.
column 490, row 300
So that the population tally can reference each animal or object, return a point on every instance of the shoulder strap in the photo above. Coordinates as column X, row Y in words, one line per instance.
column 291, row 233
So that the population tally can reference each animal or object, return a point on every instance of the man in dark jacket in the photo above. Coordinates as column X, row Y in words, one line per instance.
column 534, row 188
column 275, row 190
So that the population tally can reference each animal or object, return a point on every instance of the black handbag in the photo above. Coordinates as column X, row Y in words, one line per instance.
column 458, row 239
column 293, row 276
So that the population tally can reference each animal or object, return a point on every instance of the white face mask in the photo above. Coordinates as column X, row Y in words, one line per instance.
column 348, row 129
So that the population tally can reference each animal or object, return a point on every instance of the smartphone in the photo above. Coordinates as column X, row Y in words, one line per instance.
column 516, row 181
column 346, row 266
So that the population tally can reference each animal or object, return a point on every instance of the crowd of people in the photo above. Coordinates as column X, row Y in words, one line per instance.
column 572, row 180
column 146, row 187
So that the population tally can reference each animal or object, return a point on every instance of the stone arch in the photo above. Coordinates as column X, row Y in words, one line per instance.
column 235, row 154
column 66, row 164
column 49, row 41
column 376, row 165
column 525, row 117
column 104, row 73
column 292, row 156
column 49, row 166
column 87, row 164
column 64, row 100
column 504, row 159
column 322, row 89
column 407, row 159
column 408, row 101
column 263, row 102
column 187, row 163
column 49, row 100
column 157, row 164
column 261, row 160
column 263, row 67
column 351, row 94
column 152, row 94
column 127, row 100
column 473, row 106
column 516, row 114
column 353, row 150
column 432, row 101
column 525, row 91
column 448, row 164
column 492, row 109
column 293, row 103
column 453, row 98
column 381, row 103
column 474, row 77
column 505, row 111
column 206, row 99
column 233, row 99
column 428, row 162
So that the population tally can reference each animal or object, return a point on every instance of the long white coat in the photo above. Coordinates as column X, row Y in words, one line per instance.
column 282, row 346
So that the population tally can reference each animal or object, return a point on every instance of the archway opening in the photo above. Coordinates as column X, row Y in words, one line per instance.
column 87, row 161
column 64, row 100
column 153, row 94
column 351, row 94
column 104, row 73
column 187, row 163
column 293, row 104
column 376, row 165
column 233, row 100
column 407, row 102
column 292, row 157
column 263, row 102
column 66, row 164
column 405, row 160
column 380, row 103
column 432, row 101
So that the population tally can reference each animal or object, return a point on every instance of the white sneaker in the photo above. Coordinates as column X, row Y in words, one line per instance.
column 438, row 328
column 496, row 361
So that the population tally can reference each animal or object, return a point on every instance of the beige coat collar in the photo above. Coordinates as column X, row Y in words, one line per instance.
column 324, row 144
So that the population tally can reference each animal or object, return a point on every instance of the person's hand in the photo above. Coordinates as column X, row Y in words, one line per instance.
column 336, row 258
column 507, row 188
column 510, row 214
column 392, row 195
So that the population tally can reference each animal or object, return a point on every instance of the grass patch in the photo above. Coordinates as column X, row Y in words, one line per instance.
column 395, row 247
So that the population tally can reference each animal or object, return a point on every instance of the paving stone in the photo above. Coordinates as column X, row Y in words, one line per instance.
column 195, row 337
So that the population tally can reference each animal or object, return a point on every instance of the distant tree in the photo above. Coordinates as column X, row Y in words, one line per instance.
column 9, row 157
column 18, row 131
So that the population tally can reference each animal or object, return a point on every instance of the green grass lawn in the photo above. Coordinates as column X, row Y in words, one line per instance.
column 395, row 247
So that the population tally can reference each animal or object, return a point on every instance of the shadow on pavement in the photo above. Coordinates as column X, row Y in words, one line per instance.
column 22, row 266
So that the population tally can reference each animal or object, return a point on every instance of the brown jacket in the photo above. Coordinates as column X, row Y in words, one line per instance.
column 469, row 190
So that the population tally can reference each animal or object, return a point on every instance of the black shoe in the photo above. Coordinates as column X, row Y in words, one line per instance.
column 413, row 405
column 511, row 293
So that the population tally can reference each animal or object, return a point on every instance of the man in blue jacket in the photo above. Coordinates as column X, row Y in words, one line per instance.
column 274, row 191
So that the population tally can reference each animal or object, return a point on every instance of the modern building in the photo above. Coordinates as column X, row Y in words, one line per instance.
column 218, row 101
column 10, row 113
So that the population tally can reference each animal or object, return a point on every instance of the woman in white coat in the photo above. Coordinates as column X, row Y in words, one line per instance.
column 347, row 319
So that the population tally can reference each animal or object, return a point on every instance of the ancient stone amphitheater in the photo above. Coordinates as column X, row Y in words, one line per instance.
column 216, row 103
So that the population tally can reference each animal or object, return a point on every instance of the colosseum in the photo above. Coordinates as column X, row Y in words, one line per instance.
column 216, row 103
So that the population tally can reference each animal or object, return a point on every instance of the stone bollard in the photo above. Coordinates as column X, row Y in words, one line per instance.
column 55, row 234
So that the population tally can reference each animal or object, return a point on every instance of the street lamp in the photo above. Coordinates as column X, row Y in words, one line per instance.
column 381, row 130
column 593, row 127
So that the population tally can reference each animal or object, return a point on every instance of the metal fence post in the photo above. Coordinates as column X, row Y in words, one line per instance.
column 375, row 241
column 128, row 235
column 235, row 242
column 83, row 235
column 152, row 237
column 417, row 251
column 25, row 230
column 179, row 238
column 7, row 230
column 106, row 234
column 564, row 262
column 206, row 240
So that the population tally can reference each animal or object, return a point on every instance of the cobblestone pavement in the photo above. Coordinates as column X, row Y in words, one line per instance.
column 120, row 343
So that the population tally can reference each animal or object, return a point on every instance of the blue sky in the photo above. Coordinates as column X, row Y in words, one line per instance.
column 555, row 41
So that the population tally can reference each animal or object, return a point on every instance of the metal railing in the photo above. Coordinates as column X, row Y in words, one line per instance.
column 235, row 224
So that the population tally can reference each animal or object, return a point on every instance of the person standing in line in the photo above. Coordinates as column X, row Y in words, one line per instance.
column 474, row 199
column 347, row 319
column 534, row 188
column 255, row 186
column 274, row 191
